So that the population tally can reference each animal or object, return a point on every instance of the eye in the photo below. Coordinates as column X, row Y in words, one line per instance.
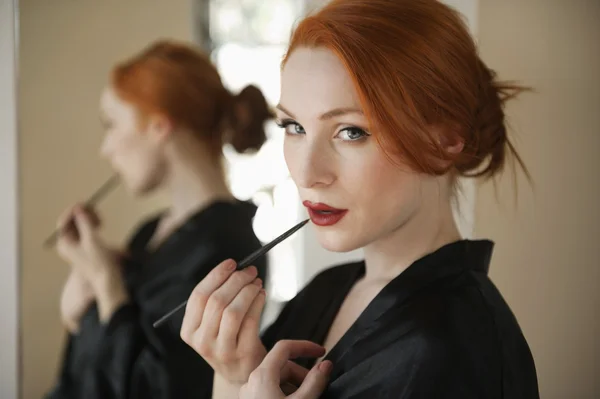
column 291, row 127
column 352, row 133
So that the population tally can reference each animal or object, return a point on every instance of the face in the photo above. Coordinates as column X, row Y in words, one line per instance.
column 355, row 195
column 135, row 154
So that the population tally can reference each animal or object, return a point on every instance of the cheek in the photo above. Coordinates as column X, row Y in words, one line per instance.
column 133, row 155
column 363, row 173
column 128, row 146
column 290, row 154
column 385, row 190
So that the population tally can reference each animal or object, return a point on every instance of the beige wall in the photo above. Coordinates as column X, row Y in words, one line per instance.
column 9, row 264
column 67, row 48
column 547, row 254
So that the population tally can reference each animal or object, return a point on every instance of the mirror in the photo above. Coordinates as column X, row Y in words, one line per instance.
column 55, row 57
column 66, row 51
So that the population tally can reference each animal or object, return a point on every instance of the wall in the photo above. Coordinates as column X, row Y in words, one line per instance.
column 67, row 48
column 9, row 266
column 546, row 258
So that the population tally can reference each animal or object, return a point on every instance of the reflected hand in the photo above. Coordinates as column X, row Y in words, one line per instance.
column 265, row 382
column 76, row 298
column 81, row 246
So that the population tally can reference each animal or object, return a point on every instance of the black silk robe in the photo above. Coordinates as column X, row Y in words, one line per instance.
column 129, row 359
column 439, row 330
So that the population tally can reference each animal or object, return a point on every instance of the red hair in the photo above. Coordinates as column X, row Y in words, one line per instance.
column 414, row 66
column 175, row 80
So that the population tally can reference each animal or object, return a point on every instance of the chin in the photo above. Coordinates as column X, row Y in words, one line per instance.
column 136, row 188
column 337, row 240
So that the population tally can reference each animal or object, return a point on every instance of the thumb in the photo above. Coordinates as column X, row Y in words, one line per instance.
column 315, row 382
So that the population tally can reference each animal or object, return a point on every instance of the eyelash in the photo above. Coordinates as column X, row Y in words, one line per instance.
column 284, row 124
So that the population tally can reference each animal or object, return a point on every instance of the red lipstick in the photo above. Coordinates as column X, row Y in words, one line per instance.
column 323, row 214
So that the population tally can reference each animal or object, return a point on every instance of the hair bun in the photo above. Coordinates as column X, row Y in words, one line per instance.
column 250, row 112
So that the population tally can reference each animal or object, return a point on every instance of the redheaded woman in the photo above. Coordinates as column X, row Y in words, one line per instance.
column 166, row 117
column 385, row 104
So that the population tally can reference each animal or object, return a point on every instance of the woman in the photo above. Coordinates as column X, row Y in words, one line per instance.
column 385, row 103
column 167, row 116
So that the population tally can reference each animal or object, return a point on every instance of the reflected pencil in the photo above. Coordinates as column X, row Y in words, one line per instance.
column 98, row 195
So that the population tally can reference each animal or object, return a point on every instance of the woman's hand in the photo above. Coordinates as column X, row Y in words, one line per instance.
column 265, row 382
column 80, row 245
column 222, row 321
column 76, row 298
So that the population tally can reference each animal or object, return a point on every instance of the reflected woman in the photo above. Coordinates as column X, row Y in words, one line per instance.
column 166, row 116
column 385, row 104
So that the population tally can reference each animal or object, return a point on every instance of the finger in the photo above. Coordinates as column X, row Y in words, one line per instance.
column 120, row 255
column 66, row 223
column 286, row 350
column 65, row 217
column 250, row 327
column 235, row 313
column 66, row 246
column 315, row 382
column 62, row 247
column 221, row 298
column 84, row 224
column 294, row 373
column 288, row 388
column 92, row 215
column 199, row 297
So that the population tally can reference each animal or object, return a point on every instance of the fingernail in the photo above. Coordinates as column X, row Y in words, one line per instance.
column 257, row 282
column 325, row 367
column 263, row 292
column 251, row 270
column 230, row 265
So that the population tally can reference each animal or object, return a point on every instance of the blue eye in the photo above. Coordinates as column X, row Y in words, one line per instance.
column 291, row 127
column 352, row 134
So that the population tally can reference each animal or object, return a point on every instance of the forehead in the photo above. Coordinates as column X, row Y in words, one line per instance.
column 314, row 81
column 111, row 104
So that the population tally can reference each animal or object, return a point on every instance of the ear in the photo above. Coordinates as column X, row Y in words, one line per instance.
column 159, row 128
column 450, row 139
column 451, row 142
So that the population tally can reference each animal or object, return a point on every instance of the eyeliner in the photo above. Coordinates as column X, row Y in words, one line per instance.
column 244, row 263
column 99, row 194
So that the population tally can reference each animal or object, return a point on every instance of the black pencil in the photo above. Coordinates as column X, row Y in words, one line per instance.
column 100, row 193
column 247, row 261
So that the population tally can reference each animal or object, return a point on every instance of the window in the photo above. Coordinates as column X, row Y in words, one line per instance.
column 247, row 40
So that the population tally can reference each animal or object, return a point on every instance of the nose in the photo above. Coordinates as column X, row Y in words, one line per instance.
column 105, row 148
column 314, row 165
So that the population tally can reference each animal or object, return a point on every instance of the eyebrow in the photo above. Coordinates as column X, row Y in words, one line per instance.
column 329, row 114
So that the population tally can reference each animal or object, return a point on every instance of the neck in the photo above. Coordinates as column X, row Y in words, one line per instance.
column 194, row 181
column 427, row 230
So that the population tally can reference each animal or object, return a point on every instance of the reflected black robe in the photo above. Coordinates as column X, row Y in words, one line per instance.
column 439, row 330
column 127, row 358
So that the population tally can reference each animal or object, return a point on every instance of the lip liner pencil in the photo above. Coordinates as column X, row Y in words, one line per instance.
column 247, row 261
column 99, row 194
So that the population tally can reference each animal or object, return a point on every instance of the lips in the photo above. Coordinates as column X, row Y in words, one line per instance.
column 323, row 214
